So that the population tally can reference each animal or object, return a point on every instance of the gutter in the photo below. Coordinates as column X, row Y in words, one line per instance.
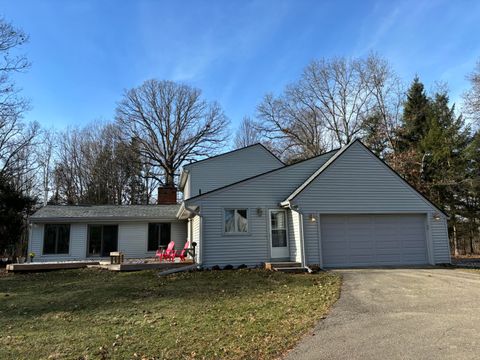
column 186, row 210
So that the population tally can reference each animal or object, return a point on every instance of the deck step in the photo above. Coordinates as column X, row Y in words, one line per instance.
column 296, row 269
column 282, row 264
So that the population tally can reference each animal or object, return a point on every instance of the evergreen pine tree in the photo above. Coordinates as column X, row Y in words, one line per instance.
column 416, row 112
column 444, row 164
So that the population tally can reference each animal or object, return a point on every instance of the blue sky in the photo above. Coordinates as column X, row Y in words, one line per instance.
column 85, row 53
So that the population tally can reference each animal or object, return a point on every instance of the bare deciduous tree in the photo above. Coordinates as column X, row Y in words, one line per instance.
column 95, row 165
column 339, row 92
column 385, row 115
column 15, row 136
column 172, row 124
column 44, row 153
column 292, row 125
column 247, row 133
column 472, row 96
column 330, row 103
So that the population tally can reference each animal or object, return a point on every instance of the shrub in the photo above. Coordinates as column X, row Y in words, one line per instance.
column 215, row 267
column 243, row 266
column 228, row 267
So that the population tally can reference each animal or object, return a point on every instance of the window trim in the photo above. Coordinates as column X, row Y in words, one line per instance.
column 236, row 233
column 56, row 240
column 101, row 246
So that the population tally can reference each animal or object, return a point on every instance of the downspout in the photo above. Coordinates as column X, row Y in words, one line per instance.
column 200, row 257
column 196, row 212
column 29, row 243
column 302, row 242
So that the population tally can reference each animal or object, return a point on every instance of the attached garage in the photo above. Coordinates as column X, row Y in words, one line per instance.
column 373, row 240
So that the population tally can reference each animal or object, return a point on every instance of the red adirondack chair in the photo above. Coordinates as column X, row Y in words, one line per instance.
column 168, row 254
column 183, row 253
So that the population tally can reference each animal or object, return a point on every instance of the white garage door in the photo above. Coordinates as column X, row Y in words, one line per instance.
column 370, row 240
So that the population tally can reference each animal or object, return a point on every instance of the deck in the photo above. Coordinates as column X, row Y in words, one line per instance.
column 137, row 266
column 128, row 265
column 46, row 266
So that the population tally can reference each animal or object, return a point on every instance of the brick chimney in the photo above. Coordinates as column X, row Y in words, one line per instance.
column 167, row 195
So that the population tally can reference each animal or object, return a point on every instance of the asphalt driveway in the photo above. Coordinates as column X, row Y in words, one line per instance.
column 400, row 314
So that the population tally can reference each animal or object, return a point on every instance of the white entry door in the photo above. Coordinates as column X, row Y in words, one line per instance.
column 278, row 234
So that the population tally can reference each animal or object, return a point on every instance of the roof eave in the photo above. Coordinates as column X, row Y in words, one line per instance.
column 76, row 219
column 186, row 212
column 183, row 179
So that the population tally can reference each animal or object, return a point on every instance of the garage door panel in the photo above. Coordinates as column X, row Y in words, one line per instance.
column 391, row 244
column 360, row 252
column 361, row 259
column 369, row 240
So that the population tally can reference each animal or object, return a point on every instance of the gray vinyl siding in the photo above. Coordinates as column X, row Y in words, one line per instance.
column 222, row 249
column 132, row 240
column 295, row 236
column 311, row 240
column 263, row 192
column 224, row 170
column 77, row 251
column 179, row 234
column 357, row 182
column 441, row 244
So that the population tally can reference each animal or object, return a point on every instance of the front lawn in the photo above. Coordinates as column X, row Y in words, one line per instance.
column 93, row 314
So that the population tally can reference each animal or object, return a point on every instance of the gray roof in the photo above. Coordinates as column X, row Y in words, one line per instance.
column 105, row 212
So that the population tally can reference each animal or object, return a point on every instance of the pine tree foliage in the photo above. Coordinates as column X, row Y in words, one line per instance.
column 14, row 209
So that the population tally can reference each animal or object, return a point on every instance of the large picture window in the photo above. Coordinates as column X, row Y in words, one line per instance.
column 236, row 221
column 102, row 239
column 56, row 239
column 158, row 235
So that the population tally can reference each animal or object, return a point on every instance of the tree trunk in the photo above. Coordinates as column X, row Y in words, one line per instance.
column 170, row 177
column 455, row 240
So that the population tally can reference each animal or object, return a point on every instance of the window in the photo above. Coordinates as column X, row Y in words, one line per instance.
column 56, row 239
column 236, row 221
column 102, row 239
column 279, row 228
column 158, row 235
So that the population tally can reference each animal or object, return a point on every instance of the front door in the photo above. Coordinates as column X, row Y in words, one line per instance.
column 278, row 234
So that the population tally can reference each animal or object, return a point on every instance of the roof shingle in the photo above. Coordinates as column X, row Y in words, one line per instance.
column 105, row 212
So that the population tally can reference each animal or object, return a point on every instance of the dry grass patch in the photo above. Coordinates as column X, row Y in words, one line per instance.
column 91, row 314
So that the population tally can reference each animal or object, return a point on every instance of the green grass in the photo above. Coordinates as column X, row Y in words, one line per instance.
column 92, row 314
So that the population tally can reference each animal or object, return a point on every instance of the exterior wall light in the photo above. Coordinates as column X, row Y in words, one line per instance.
column 436, row 216
column 259, row 211
column 313, row 218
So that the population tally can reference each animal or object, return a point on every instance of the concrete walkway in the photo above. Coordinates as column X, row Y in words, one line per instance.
column 400, row 314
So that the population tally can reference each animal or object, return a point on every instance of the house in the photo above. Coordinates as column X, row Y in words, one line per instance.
column 344, row 208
